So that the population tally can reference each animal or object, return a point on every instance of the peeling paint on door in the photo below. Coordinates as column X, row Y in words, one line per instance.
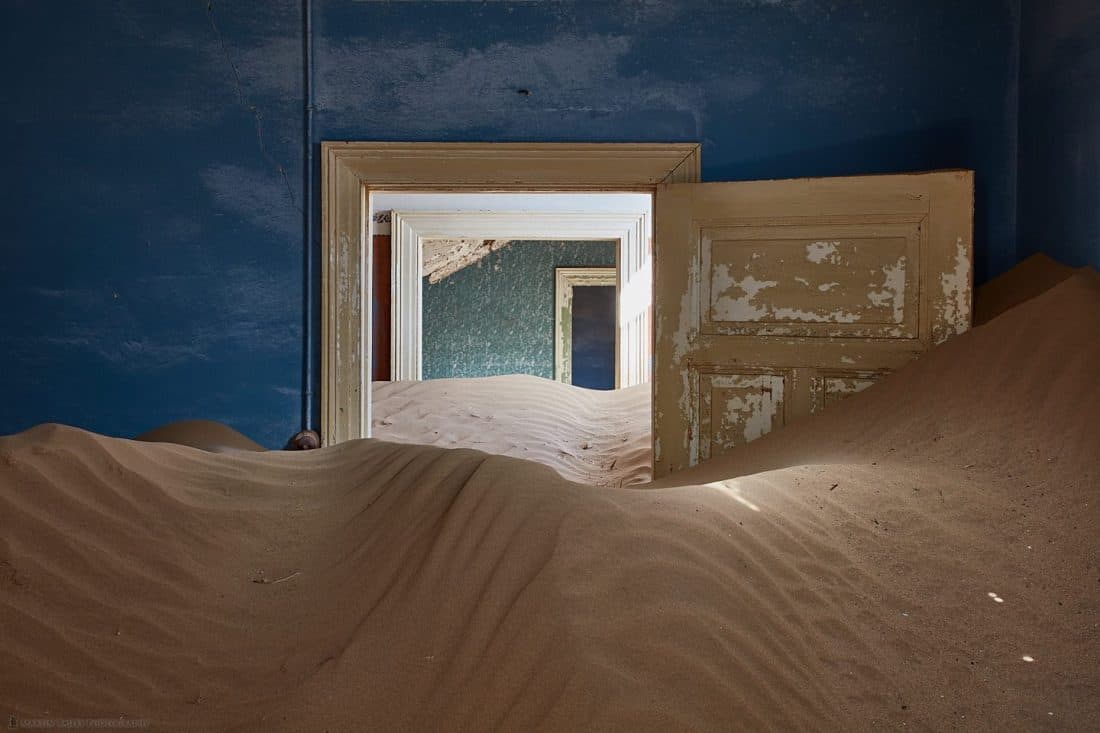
column 892, row 292
column 859, row 284
column 818, row 252
column 797, row 295
column 735, row 409
column 742, row 307
column 956, row 293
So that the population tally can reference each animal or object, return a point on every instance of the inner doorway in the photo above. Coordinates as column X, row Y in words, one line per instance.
column 585, row 312
column 473, row 287
column 592, row 345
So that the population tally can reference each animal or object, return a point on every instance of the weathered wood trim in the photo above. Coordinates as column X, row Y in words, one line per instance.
column 351, row 170
column 688, row 170
column 565, row 279
column 344, row 310
column 406, row 293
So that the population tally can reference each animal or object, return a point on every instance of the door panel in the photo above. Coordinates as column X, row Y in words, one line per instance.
column 737, row 406
column 835, row 385
column 811, row 279
column 776, row 299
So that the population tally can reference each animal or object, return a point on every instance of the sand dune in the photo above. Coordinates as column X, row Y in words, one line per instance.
column 588, row 436
column 893, row 563
column 205, row 434
column 1032, row 277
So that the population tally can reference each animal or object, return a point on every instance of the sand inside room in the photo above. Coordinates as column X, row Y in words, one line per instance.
column 550, row 366
column 923, row 555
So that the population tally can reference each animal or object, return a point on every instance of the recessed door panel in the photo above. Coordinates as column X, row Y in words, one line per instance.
column 776, row 299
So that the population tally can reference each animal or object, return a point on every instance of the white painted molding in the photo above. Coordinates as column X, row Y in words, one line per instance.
column 565, row 279
column 406, row 298
column 629, row 229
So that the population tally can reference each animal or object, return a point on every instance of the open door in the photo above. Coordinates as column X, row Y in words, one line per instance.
column 774, row 299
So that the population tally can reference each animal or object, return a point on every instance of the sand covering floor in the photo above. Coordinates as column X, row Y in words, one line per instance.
column 925, row 555
column 587, row 436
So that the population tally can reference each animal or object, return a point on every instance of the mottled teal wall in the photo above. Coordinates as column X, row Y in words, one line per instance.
column 497, row 316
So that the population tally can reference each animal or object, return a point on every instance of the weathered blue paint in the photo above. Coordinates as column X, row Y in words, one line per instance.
column 772, row 88
column 497, row 315
column 152, row 246
column 1060, row 130
column 153, row 152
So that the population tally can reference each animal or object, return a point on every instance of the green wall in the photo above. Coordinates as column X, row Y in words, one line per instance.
column 497, row 316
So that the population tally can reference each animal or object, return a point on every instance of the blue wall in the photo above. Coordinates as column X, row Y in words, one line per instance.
column 152, row 246
column 1060, row 130
column 153, row 253
column 497, row 316
column 771, row 88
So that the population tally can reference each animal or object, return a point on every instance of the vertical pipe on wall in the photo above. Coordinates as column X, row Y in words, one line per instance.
column 308, row 371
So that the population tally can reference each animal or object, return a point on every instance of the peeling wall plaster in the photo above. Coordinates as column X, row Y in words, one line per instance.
column 444, row 257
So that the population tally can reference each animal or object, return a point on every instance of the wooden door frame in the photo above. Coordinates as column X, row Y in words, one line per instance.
column 350, row 171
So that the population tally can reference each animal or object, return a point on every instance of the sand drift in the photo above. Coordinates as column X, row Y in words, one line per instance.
column 926, row 554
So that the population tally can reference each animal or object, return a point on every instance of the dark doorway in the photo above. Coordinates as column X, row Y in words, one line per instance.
column 594, row 337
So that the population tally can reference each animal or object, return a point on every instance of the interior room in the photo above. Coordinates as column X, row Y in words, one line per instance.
column 639, row 365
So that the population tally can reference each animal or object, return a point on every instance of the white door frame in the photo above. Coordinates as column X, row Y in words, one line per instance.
column 350, row 171
column 629, row 229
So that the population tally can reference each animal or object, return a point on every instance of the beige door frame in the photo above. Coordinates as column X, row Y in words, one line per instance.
column 350, row 171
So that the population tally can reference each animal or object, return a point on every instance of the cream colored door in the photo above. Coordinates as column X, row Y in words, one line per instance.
column 774, row 299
